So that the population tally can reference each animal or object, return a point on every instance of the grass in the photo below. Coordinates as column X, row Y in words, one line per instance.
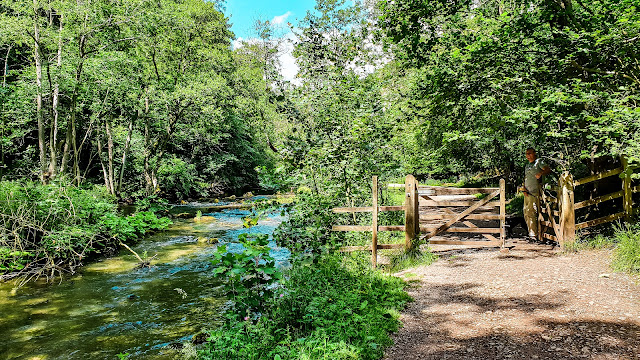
column 623, row 239
column 599, row 241
column 626, row 255
column 408, row 259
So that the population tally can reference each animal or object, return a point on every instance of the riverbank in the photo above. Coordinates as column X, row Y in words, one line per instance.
column 49, row 230
column 111, row 306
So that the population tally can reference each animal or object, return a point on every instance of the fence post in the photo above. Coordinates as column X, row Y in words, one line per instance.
column 567, row 211
column 374, row 225
column 410, row 210
column 502, row 212
column 627, row 202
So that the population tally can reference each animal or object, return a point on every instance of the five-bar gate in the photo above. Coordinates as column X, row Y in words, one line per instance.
column 436, row 211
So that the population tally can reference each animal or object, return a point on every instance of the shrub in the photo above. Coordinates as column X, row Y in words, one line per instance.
column 56, row 226
column 336, row 308
column 249, row 276
column 308, row 229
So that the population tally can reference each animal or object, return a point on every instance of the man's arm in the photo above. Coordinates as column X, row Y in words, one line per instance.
column 545, row 171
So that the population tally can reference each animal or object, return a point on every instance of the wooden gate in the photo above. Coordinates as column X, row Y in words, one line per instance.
column 441, row 208
column 433, row 211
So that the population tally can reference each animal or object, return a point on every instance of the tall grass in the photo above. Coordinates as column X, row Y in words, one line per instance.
column 626, row 255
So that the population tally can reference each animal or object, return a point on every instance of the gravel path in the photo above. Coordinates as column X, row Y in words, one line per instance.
column 531, row 302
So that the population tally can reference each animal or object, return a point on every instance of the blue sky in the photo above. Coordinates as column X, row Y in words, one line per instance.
column 243, row 13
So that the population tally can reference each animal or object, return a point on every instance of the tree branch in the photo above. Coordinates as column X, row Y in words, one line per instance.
column 602, row 72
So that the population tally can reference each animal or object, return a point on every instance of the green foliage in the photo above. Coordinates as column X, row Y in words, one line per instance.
column 123, row 356
column 274, row 178
column 152, row 89
column 307, row 231
column 45, row 225
column 515, row 205
column 154, row 204
column 485, row 81
column 335, row 309
column 249, row 276
column 179, row 179
column 13, row 260
column 626, row 255
column 133, row 226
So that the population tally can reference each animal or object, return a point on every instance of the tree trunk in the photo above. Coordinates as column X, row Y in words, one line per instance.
column 65, row 153
column 104, row 169
column 39, row 115
column 147, row 149
column 111, row 186
column 53, row 138
column 124, row 157
column 6, row 66
column 74, row 103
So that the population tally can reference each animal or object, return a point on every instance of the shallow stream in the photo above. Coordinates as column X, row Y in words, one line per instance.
column 111, row 307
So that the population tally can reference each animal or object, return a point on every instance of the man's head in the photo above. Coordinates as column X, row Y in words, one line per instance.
column 531, row 154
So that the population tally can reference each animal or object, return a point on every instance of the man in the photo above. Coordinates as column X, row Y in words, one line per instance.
column 533, row 173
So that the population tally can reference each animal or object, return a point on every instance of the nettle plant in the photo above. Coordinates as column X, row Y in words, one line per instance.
column 249, row 276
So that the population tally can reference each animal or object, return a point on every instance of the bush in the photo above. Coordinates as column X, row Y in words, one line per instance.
column 249, row 276
column 308, row 229
column 56, row 226
column 337, row 308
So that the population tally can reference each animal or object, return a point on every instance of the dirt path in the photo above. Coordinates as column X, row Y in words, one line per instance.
column 530, row 303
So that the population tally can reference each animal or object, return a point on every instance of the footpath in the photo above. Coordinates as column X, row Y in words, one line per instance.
column 532, row 302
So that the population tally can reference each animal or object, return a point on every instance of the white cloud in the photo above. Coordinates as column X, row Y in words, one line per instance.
column 237, row 43
column 288, row 67
column 280, row 19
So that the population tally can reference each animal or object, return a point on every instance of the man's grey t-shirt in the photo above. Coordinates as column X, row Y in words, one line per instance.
column 530, row 171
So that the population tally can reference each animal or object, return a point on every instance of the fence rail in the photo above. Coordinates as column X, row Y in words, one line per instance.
column 424, row 204
column 566, row 229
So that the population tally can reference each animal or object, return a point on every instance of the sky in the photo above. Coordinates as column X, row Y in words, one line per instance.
column 243, row 13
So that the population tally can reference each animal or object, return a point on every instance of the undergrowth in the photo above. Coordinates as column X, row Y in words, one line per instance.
column 626, row 255
column 336, row 308
column 52, row 228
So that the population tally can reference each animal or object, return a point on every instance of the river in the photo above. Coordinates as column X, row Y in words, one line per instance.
column 110, row 306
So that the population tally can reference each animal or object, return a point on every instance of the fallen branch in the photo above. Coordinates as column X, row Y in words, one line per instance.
column 142, row 263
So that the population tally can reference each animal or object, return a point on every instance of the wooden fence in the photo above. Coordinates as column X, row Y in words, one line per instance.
column 558, row 206
column 433, row 210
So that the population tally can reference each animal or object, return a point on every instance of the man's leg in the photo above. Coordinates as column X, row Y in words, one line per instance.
column 530, row 211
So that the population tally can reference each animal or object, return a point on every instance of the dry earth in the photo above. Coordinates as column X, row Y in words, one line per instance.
column 532, row 302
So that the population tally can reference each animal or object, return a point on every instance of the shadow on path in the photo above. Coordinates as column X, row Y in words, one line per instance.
column 450, row 321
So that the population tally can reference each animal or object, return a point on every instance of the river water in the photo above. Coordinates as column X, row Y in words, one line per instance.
column 111, row 307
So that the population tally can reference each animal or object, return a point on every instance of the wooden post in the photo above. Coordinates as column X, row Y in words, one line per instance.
column 567, row 211
column 503, row 213
column 374, row 224
column 410, row 210
column 627, row 201
column 538, row 205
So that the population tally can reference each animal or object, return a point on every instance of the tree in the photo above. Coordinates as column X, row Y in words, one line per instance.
column 493, row 78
